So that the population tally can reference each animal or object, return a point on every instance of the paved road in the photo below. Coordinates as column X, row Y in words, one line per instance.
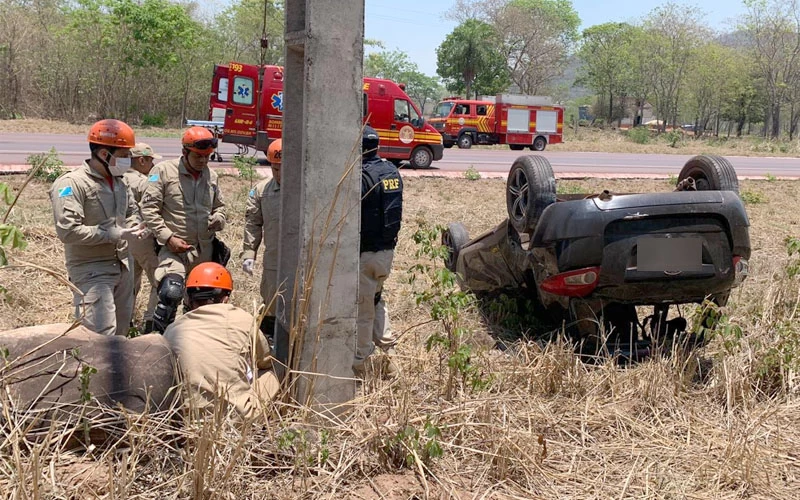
column 14, row 149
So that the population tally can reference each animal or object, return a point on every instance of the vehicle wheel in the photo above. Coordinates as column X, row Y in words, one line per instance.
column 539, row 144
column 710, row 173
column 454, row 238
column 531, row 187
column 421, row 157
column 465, row 141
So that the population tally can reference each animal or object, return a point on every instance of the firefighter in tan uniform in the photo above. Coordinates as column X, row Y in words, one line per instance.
column 143, row 256
column 95, row 218
column 218, row 348
column 183, row 207
column 262, row 225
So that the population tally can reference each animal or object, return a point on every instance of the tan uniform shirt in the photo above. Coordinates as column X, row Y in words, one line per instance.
column 262, row 225
column 85, row 207
column 174, row 202
column 216, row 353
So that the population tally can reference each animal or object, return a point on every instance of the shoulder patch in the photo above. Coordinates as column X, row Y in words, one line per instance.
column 153, row 178
column 65, row 191
column 252, row 192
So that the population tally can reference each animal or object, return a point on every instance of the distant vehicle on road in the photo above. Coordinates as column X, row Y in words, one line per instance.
column 517, row 120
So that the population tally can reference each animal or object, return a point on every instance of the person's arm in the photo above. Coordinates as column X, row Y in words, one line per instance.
column 152, row 203
column 253, row 224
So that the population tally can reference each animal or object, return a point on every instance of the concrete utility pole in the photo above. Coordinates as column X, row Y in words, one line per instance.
column 319, row 248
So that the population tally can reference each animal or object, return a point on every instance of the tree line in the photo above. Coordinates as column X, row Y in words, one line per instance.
column 150, row 61
column 669, row 59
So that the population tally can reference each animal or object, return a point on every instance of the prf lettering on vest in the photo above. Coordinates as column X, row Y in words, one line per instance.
column 391, row 184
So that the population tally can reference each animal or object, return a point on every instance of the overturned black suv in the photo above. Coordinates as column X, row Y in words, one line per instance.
column 589, row 261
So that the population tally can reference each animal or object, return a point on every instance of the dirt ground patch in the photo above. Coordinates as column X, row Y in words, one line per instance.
column 723, row 422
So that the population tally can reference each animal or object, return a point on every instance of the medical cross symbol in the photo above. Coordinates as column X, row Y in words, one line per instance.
column 277, row 101
column 243, row 91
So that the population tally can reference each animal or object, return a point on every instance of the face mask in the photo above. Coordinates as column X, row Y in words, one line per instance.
column 120, row 166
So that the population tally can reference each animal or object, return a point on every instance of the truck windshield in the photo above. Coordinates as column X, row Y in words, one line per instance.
column 443, row 110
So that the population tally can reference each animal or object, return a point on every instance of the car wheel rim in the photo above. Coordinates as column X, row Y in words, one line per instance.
column 421, row 157
column 519, row 190
column 447, row 241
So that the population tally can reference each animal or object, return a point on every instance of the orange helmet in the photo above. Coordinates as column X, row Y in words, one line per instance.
column 210, row 275
column 275, row 151
column 200, row 140
column 114, row 133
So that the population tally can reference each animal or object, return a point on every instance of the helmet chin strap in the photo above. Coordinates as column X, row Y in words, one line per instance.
column 105, row 163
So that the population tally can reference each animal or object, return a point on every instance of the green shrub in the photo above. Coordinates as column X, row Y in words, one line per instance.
column 156, row 120
column 246, row 167
column 639, row 135
column 471, row 174
column 673, row 137
column 752, row 197
column 48, row 166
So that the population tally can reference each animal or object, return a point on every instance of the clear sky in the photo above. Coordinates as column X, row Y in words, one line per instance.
column 418, row 27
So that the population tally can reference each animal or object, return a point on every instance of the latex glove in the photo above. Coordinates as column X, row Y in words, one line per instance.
column 247, row 266
column 116, row 233
column 216, row 222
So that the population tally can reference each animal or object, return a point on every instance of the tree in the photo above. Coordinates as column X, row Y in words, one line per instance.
column 607, row 66
column 672, row 36
column 537, row 36
column 240, row 28
column 774, row 28
column 396, row 66
column 469, row 60
column 714, row 81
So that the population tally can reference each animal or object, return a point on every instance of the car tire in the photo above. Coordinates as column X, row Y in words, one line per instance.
column 454, row 238
column 539, row 144
column 516, row 147
column 421, row 157
column 530, row 189
column 465, row 141
column 710, row 173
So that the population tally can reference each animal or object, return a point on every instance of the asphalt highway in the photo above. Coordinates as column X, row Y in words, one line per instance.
column 14, row 149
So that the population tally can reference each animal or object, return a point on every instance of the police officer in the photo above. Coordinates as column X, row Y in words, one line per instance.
column 262, row 224
column 183, row 207
column 381, row 214
column 143, row 256
column 95, row 218
column 216, row 351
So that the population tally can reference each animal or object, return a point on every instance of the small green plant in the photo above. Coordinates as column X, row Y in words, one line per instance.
column 408, row 445
column 770, row 177
column 639, row 135
column 471, row 174
column 10, row 235
column 709, row 320
column 752, row 197
column 673, row 137
column 779, row 360
column 793, row 250
column 155, row 120
column 446, row 301
column 47, row 166
column 246, row 167
column 672, row 180
column 567, row 188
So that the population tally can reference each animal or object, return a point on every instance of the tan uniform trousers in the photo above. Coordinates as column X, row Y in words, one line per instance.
column 144, row 260
column 373, row 321
column 107, row 304
column 182, row 263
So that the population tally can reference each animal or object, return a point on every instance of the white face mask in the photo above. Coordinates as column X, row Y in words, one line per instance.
column 120, row 166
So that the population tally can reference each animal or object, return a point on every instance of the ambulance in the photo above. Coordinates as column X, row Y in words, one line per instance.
column 253, row 114
column 517, row 120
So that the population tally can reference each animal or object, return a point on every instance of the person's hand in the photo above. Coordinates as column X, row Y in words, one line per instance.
column 216, row 222
column 116, row 233
column 247, row 266
column 177, row 245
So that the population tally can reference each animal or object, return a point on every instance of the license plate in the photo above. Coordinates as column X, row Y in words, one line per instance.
column 656, row 253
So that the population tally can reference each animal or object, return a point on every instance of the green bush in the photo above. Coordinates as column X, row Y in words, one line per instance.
column 48, row 166
column 156, row 120
column 471, row 174
column 673, row 137
column 639, row 135
column 246, row 167
column 752, row 197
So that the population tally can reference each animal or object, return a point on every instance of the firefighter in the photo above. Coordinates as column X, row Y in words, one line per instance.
column 381, row 214
column 143, row 256
column 262, row 225
column 218, row 350
column 95, row 218
column 183, row 207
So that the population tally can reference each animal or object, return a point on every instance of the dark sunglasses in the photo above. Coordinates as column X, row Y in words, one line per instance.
column 204, row 144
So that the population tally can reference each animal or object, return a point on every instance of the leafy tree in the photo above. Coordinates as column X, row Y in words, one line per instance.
column 713, row 82
column 395, row 65
column 240, row 27
column 469, row 60
column 607, row 60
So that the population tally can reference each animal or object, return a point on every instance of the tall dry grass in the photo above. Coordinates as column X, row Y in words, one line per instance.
column 721, row 422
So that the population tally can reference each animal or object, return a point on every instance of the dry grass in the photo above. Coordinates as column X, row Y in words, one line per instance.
column 41, row 126
column 720, row 423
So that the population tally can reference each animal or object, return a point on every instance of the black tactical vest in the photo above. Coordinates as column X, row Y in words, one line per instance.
column 381, row 205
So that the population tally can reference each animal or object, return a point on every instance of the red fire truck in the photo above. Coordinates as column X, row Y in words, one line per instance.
column 253, row 114
column 517, row 120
